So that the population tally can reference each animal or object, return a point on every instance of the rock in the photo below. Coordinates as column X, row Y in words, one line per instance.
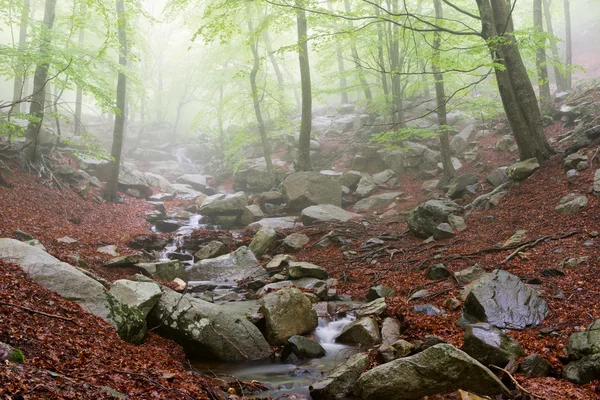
column 430, row 186
column 295, row 242
column 517, row 238
column 457, row 222
column 419, row 294
column 66, row 240
column 452, row 304
column 207, row 330
column 584, row 343
column 490, row 346
column 427, row 309
column 443, row 231
column 461, row 140
column 35, row 243
column 535, row 366
column 131, row 179
column 572, row 160
column 124, row 261
column 253, row 180
column 72, row 284
column 10, row 354
column 502, row 300
column 195, row 181
column 302, row 347
column 363, row 331
column 325, row 212
column 111, row 250
column 584, row 370
column 423, row 220
column 338, row 384
column 279, row 263
column 380, row 292
column 305, row 189
column 438, row 272
column 403, row 348
column 439, row 369
column 224, row 204
column 377, row 201
column 185, row 192
column 275, row 223
column 571, row 203
column 256, row 211
column 390, row 331
column 163, row 270
column 159, row 181
column 287, row 312
column 468, row 275
column 505, row 143
column 498, row 177
column 350, row 179
column 141, row 295
column 523, row 169
column 168, row 225
column 360, row 163
column 236, row 266
column 384, row 177
column 264, row 240
column 458, row 186
column 572, row 175
column 573, row 262
column 297, row 270
column 213, row 249
column 596, row 186
column 375, row 308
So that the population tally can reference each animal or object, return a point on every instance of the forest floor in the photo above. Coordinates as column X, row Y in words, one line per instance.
column 74, row 355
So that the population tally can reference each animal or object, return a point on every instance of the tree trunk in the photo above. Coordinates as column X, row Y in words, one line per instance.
column 79, row 95
column 19, row 68
column 306, row 120
column 516, row 90
column 558, row 75
column 397, row 103
column 384, row 80
column 341, row 67
column 36, row 111
column 540, row 61
column 255, row 98
column 440, row 92
column 111, row 194
column 278, row 73
column 568, row 45
column 361, row 74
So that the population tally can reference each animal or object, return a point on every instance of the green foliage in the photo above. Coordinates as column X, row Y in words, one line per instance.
column 394, row 139
column 16, row 356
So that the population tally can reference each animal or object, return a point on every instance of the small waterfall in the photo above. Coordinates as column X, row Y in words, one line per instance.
column 328, row 331
column 181, row 157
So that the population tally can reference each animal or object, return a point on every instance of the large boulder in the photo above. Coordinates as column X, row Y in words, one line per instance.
column 275, row 223
column 239, row 265
column 159, row 181
column 224, row 204
column 366, row 186
column 490, row 346
column 163, row 270
column 325, row 212
column 461, row 141
column 584, row 343
column 458, row 186
column 423, row 220
column 74, row 285
column 584, row 370
column 377, row 201
column 301, row 269
column 363, row 331
column 253, row 180
column 338, row 384
column 305, row 189
column 141, row 295
column 195, row 181
column 523, row 169
column 502, row 300
column 131, row 179
column 207, row 330
column 571, row 203
column 265, row 238
column 302, row 347
column 437, row 370
column 287, row 312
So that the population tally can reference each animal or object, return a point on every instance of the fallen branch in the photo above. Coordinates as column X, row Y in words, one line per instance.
column 39, row 312
column 517, row 385
column 534, row 243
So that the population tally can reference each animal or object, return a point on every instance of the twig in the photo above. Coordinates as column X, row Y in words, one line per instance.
column 534, row 243
column 518, row 386
column 39, row 312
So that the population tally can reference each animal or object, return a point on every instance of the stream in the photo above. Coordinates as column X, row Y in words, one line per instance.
column 284, row 380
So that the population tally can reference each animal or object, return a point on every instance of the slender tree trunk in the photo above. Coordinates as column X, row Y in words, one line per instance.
column 361, row 73
column 255, row 97
column 540, row 61
column 440, row 92
column 340, row 62
column 221, row 127
column 79, row 95
column 111, row 194
column 558, row 75
column 278, row 73
column 568, row 45
column 20, row 67
column 38, row 100
column 516, row 90
column 306, row 120
column 397, row 103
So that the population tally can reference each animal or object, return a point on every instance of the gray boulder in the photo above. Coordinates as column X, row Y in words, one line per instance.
column 265, row 239
column 468, row 275
column 131, row 179
column 302, row 347
column 275, row 223
column 584, row 370
column 300, row 269
column 505, row 143
column 596, row 186
column 498, row 177
column 437, row 370
column 443, row 231
column 377, row 201
column 380, row 292
column 535, row 366
column 253, row 180
column 502, row 300
column 239, row 265
column 384, row 177
column 338, row 384
column 159, row 181
column 207, row 330
column 213, row 249
column 363, row 331
column 163, row 270
column 490, row 346
column 141, row 295
column 295, row 242
column 325, row 212
column 571, row 203
column 366, row 186
column 461, row 141
column 584, row 343
column 305, row 189
column 195, row 181
column 74, row 285
column 224, row 204
column 350, row 179
column 458, row 186
column 423, row 220
column 523, row 169
column 287, row 312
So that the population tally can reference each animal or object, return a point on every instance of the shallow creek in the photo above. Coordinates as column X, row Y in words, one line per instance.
column 283, row 379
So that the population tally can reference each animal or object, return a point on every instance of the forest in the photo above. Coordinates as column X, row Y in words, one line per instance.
column 300, row 199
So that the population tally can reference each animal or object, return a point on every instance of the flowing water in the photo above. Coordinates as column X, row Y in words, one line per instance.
column 290, row 380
